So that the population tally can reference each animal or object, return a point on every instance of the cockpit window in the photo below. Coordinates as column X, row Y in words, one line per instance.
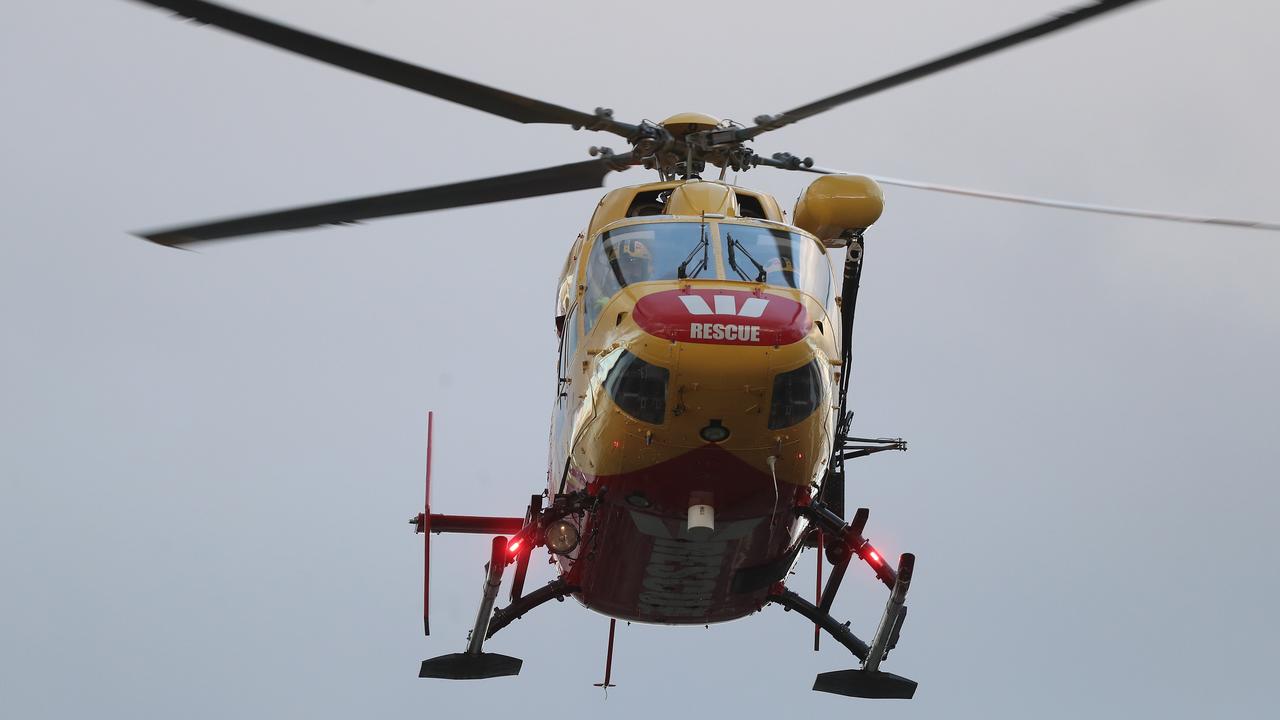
column 753, row 253
column 640, row 253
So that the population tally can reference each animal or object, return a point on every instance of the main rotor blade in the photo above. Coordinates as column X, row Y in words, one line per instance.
column 1017, row 37
column 1085, row 207
column 547, row 181
column 464, row 92
column 1061, row 204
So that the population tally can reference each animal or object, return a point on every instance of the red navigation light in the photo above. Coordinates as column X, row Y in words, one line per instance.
column 514, row 546
column 873, row 556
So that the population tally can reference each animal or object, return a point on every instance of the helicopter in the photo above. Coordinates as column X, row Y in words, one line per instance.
column 700, row 429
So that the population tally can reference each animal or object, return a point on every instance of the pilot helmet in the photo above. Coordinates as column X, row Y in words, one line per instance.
column 779, row 263
column 635, row 259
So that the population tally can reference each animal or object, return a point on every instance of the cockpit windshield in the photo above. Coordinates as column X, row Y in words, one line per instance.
column 683, row 250
column 640, row 253
column 755, row 253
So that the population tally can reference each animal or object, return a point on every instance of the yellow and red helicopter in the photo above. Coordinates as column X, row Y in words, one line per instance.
column 701, row 429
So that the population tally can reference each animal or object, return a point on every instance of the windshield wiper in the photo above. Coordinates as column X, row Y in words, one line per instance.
column 681, row 272
column 733, row 262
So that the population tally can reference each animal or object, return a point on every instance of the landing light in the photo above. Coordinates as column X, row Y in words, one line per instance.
column 561, row 537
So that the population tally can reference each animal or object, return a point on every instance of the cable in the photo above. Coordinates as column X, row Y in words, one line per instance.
column 772, row 461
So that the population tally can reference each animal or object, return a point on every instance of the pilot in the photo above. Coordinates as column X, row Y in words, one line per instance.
column 635, row 261
column 779, row 271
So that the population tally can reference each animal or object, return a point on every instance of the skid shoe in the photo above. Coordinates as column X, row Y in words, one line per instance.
column 468, row 666
column 865, row 684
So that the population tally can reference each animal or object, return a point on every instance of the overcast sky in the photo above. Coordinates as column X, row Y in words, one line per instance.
column 208, row 459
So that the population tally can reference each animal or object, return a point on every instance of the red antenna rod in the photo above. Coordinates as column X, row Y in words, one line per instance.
column 608, row 659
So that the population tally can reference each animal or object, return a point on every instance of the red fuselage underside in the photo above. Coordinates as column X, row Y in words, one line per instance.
column 639, row 561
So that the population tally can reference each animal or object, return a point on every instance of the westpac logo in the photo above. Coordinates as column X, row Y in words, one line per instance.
column 725, row 305
column 721, row 317
column 752, row 307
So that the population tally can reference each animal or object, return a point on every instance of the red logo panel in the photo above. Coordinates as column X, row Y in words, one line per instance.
column 722, row 317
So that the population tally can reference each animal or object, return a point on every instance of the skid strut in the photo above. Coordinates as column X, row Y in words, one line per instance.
column 525, row 534
column 842, row 542
column 839, row 631
column 555, row 590
column 870, row 681
column 474, row 664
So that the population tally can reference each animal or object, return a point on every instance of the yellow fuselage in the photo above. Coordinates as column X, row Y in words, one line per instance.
column 692, row 391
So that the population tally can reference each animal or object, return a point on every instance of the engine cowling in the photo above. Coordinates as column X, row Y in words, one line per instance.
column 836, row 207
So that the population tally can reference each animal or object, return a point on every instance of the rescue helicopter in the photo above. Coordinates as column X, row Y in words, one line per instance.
column 700, row 430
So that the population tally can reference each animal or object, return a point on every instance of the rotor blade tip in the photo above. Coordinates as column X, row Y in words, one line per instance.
column 173, row 240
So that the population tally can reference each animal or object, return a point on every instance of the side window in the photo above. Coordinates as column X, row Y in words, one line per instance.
column 568, row 281
column 749, row 206
column 604, row 278
column 568, row 350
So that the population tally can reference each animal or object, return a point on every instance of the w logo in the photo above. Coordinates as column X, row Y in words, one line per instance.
column 752, row 307
column 722, row 317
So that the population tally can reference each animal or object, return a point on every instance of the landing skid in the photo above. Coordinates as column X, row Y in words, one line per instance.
column 466, row 666
column 847, row 542
column 865, row 684
column 526, row 533
column 474, row 664
column 843, row 542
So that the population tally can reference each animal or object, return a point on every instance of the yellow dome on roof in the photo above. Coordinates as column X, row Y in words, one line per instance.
column 682, row 124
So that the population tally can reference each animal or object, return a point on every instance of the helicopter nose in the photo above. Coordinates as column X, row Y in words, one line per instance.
column 738, row 373
column 722, row 317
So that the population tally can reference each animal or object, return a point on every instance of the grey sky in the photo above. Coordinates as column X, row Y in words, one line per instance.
column 208, row 458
